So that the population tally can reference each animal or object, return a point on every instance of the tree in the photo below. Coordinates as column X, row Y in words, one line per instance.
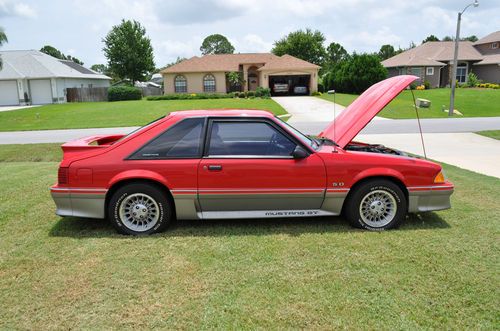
column 3, row 40
column 129, row 51
column 472, row 38
column 216, row 44
column 54, row 52
column 386, row 51
column 447, row 38
column 306, row 45
column 100, row 68
column 168, row 65
column 358, row 73
column 335, row 54
column 430, row 38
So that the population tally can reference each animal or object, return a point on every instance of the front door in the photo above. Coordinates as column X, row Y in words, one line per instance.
column 248, row 171
column 253, row 82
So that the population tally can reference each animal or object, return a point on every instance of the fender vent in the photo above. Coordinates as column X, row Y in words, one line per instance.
column 62, row 175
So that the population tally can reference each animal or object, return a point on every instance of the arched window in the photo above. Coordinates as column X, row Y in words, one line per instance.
column 180, row 84
column 209, row 83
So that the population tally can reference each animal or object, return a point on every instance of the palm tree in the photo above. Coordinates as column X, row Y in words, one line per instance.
column 3, row 40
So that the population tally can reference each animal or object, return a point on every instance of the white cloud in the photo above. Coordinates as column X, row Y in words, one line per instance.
column 13, row 8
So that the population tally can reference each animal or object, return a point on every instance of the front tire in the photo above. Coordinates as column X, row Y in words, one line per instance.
column 376, row 205
column 139, row 209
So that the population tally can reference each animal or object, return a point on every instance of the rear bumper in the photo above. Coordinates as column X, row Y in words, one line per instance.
column 429, row 198
column 79, row 202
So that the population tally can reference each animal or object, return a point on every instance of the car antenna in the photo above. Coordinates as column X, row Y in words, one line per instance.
column 419, row 125
column 334, row 120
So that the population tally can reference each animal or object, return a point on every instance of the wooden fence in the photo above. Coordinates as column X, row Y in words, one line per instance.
column 86, row 94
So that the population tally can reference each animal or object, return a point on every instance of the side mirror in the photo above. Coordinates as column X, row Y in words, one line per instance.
column 299, row 153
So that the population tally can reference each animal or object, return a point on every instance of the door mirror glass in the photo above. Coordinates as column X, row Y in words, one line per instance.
column 299, row 153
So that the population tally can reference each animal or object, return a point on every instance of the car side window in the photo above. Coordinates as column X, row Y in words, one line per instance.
column 246, row 138
column 183, row 140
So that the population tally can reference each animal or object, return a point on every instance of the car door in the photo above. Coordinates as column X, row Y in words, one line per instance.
column 247, row 171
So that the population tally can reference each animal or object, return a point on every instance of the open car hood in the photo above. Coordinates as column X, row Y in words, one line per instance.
column 359, row 113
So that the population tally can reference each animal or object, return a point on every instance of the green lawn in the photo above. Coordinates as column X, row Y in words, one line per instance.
column 115, row 114
column 438, row 271
column 495, row 134
column 470, row 102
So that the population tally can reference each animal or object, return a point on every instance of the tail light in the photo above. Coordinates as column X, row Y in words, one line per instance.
column 62, row 175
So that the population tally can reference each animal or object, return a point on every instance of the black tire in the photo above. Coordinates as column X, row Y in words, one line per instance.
column 162, row 210
column 377, row 189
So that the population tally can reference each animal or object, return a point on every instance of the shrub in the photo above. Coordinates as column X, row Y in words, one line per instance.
column 413, row 86
column 192, row 96
column 356, row 74
column 243, row 95
column 118, row 93
column 472, row 80
column 315, row 93
column 250, row 94
column 263, row 92
column 427, row 84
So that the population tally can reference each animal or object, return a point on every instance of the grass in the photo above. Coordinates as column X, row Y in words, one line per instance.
column 470, row 102
column 31, row 153
column 495, row 134
column 116, row 114
column 438, row 270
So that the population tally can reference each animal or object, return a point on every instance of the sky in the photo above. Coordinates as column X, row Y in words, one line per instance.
column 178, row 27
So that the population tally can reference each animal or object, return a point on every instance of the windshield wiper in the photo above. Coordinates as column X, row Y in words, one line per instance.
column 324, row 141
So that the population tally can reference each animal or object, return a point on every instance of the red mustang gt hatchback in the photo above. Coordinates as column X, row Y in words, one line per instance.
column 207, row 164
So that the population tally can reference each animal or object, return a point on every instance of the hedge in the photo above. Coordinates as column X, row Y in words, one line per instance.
column 119, row 93
column 192, row 96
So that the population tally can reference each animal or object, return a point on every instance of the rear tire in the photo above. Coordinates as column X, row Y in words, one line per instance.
column 376, row 205
column 140, row 209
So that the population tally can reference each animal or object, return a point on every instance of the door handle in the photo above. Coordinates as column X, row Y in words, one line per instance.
column 215, row 167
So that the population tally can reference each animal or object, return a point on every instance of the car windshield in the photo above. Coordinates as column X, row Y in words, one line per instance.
column 305, row 139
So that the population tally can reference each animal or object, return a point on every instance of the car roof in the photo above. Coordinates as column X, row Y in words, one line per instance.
column 222, row 112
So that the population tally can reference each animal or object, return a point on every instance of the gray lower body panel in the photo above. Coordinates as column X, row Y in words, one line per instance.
column 429, row 200
column 79, row 202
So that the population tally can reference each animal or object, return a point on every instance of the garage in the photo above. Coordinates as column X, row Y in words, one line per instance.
column 290, row 84
column 8, row 93
column 41, row 91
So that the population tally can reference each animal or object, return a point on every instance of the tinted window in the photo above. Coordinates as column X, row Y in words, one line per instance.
column 248, row 138
column 183, row 140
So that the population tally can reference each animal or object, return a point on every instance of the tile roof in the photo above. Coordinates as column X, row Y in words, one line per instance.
column 35, row 64
column 489, row 59
column 433, row 53
column 492, row 37
column 231, row 62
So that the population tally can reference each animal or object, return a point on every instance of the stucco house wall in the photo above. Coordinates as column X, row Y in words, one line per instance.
column 195, row 81
column 489, row 73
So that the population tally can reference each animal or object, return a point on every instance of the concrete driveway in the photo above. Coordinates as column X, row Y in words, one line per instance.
column 10, row 108
column 310, row 109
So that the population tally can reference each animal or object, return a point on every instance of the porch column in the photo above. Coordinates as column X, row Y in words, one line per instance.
column 20, row 92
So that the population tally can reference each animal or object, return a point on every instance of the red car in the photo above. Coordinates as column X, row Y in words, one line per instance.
column 207, row 164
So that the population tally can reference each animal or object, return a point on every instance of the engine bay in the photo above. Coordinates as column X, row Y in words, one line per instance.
column 373, row 148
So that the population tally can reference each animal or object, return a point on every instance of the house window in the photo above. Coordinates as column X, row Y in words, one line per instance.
column 180, row 84
column 461, row 72
column 429, row 71
column 209, row 83
column 494, row 45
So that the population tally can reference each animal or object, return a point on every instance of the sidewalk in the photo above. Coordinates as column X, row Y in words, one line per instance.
column 465, row 150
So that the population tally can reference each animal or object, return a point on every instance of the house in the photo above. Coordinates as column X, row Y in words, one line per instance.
column 432, row 61
column 207, row 74
column 33, row 77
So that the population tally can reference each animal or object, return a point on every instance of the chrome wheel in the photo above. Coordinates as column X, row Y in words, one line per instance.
column 378, row 208
column 139, row 212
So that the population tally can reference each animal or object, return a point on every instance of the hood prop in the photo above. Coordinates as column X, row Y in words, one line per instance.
column 419, row 125
column 334, row 116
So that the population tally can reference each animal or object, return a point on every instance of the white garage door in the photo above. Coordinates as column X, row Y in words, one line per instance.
column 41, row 92
column 8, row 93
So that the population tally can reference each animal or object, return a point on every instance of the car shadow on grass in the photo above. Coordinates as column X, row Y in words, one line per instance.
column 92, row 228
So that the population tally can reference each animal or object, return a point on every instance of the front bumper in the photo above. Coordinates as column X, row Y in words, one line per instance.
column 429, row 198
column 79, row 202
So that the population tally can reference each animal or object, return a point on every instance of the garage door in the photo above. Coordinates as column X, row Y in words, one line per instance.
column 8, row 93
column 290, row 84
column 41, row 92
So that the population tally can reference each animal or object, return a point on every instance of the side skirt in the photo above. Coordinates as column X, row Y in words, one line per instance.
column 264, row 214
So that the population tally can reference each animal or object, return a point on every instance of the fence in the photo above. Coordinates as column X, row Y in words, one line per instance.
column 86, row 94
column 150, row 90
